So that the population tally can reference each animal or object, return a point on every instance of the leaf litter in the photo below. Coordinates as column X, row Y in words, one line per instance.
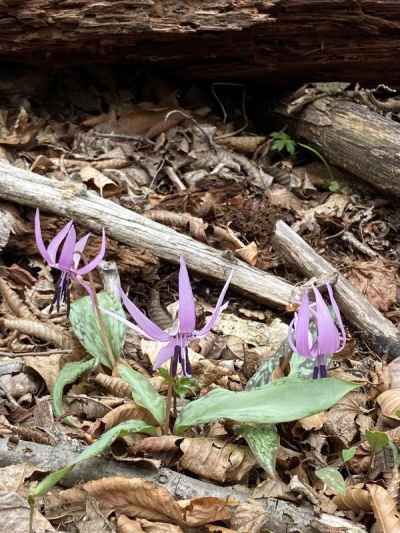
column 175, row 161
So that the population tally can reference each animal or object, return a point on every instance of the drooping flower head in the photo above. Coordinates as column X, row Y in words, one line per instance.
column 316, row 331
column 177, row 342
column 64, row 253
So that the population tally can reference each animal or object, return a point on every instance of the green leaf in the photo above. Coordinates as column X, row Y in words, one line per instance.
column 164, row 373
column 185, row 385
column 332, row 479
column 84, row 324
column 377, row 440
column 68, row 375
column 283, row 400
column 291, row 147
column 263, row 441
column 102, row 444
column 349, row 453
column 144, row 393
column 334, row 186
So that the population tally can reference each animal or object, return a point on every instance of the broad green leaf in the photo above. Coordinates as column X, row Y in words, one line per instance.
column 263, row 441
column 377, row 440
column 264, row 373
column 102, row 444
column 68, row 375
column 301, row 367
column 144, row 393
column 84, row 324
column 332, row 479
column 349, row 453
column 283, row 400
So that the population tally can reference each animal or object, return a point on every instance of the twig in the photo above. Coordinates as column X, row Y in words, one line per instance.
column 364, row 248
column 39, row 354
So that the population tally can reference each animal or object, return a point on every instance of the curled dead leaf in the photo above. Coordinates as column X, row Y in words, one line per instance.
column 140, row 525
column 47, row 367
column 127, row 411
column 389, row 402
column 313, row 422
column 115, row 386
column 394, row 373
column 14, row 302
column 356, row 498
column 385, row 509
column 106, row 186
column 157, row 312
column 196, row 226
column 47, row 332
column 246, row 144
column 216, row 459
column 248, row 253
column 140, row 498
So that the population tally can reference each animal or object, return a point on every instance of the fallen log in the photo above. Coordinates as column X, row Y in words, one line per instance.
column 278, row 513
column 128, row 227
column 213, row 39
column 353, row 137
column 355, row 307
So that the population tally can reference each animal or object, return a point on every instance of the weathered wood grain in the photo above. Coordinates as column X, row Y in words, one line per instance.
column 128, row 227
column 213, row 39
column 353, row 137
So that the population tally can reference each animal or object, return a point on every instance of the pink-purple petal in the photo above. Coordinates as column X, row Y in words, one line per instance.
column 302, row 327
column 338, row 318
column 39, row 240
column 164, row 354
column 57, row 240
column 187, row 310
column 99, row 257
column 128, row 324
column 144, row 323
column 65, row 260
column 79, row 248
column 328, row 335
column 219, row 308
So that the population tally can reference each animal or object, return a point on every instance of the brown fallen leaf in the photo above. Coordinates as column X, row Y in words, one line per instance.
column 376, row 280
column 106, row 186
column 385, row 510
column 14, row 302
column 127, row 411
column 137, row 497
column 249, row 517
column 15, row 512
column 47, row 367
column 246, row 144
column 140, row 525
column 342, row 417
column 248, row 253
column 47, row 332
column 356, row 498
column 12, row 477
column 115, row 386
column 216, row 459
column 313, row 422
column 389, row 402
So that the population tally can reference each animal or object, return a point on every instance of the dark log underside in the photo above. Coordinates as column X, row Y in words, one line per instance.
column 353, row 40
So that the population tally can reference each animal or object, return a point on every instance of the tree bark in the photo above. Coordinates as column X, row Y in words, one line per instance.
column 128, row 227
column 353, row 137
column 214, row 39
column 354, row 306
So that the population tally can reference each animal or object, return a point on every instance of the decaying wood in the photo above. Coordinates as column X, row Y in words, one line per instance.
column 211, row 39
column 50, row 458
column 353, row 137
column 128, row 227
column 355, row 307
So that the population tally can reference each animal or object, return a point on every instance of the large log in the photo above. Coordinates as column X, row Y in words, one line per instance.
column 128, row 227
column 353, row 137
column 301, row 39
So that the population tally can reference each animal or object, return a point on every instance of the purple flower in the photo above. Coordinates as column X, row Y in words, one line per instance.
column 317, row 332
column 67, row 259
column 177, row 341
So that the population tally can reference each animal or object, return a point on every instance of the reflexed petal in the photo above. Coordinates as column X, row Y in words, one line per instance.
column 122, row 319
column 302, row 328
column 164, row 354
column 145, row 324
column 39, row 239
column 67, row 252
column 79, row 247
column 328, row 335
column 187, row 310
column 338, row 317
column 99, row 257
column 57, row 240
column 219, row 308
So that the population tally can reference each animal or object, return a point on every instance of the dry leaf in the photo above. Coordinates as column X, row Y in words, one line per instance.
column 216, row 459
column 140, row 525
column 248, row 253
column 127, row 411
column 376, row 280
column 115, row 386
column 47, row 367
column 249, row 517
column 356, row 498
column 394, row 373
column 389, row 402
column 385, row 509
column 342, row 416
column 195, row 226
column 137, row 497
column 14, row 302
column 246, row 144
column 14, row 515
column 106, row 186
column 46, row 332
column 313, row 422
column 12, row 477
